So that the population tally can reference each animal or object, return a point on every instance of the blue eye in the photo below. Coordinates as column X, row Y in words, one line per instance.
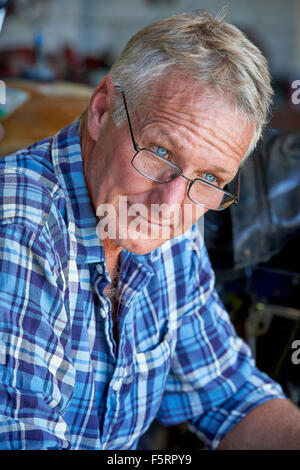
column 210, row 178
column 161, row 151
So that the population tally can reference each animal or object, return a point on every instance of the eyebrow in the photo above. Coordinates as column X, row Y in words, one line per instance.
column 175, row 144
column 220, row 169
column 170, row 138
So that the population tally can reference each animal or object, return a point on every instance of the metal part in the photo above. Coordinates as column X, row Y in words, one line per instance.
column 2, row 16
column 3, row 6
column 259, row 320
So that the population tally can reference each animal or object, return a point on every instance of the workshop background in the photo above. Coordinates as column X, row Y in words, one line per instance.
column 54, row 52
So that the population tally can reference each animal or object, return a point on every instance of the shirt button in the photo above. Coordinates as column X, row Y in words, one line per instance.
column 117, row 385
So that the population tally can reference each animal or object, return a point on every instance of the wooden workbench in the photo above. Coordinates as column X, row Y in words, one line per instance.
column 49, row 108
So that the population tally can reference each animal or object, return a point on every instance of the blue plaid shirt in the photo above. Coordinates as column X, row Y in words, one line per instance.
column 63, row 382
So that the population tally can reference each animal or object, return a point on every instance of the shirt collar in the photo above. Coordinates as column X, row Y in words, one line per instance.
column 68, row 166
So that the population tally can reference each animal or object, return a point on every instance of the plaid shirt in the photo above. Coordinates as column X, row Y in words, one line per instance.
column 63, row 382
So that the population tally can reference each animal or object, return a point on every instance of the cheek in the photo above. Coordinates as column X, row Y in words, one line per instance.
column 129, row 178
column 126, row 178
column 119, row 167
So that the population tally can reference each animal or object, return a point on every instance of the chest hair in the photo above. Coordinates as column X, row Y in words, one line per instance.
column 112, row 294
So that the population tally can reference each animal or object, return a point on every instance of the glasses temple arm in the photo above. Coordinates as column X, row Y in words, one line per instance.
column 239, row 185
column 129, row 122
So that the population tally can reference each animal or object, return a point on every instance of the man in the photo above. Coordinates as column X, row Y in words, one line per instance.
column 109, row 317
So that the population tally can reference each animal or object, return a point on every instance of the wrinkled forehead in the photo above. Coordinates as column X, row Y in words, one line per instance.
column 182, row 105
column 175, row 86
column 174, row 92
column 177, row 94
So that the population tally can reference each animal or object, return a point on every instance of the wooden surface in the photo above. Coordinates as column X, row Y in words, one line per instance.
column 49, row 108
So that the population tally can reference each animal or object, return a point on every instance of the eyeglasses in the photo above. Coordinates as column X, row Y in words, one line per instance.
column 160, row 170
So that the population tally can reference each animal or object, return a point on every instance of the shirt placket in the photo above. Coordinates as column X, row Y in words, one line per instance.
column 137, row 277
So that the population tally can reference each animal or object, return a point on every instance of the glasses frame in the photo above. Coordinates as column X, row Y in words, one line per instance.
column 235, row 199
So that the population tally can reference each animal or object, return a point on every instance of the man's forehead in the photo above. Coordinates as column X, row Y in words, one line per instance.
column 176, row 86
column 175, row 101
column 187, row 102
column 182, row 96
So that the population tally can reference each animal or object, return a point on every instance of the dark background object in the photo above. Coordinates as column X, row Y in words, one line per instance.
column 254, row 249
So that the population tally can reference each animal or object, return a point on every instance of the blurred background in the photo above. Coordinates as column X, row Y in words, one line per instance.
column 54, row 52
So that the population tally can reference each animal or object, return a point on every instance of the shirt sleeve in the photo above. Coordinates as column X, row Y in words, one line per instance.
column 36, row 371
column 213, row 381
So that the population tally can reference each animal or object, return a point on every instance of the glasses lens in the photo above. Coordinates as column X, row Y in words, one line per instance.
column 154, row 168
column 211, row 198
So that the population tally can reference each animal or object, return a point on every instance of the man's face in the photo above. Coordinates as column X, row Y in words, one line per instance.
column 178, row 122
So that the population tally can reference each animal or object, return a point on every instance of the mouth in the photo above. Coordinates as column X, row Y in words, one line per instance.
column 155, row 223
column 144, row 215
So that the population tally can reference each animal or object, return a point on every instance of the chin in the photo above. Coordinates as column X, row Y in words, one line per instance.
column 139, row 247
column 139, row 242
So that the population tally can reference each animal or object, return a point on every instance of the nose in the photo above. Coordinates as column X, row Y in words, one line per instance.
column 170, row 193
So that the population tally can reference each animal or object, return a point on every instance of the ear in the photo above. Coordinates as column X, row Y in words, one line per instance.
column 100, row 106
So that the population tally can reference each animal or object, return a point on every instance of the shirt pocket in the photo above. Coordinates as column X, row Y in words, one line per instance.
column 155, row 360
column 151, row 373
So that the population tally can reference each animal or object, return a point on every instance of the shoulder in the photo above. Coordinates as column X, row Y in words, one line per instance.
column 28, row 186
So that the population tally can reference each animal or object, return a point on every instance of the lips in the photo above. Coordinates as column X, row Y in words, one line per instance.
column 143, row 215
column 157, row 224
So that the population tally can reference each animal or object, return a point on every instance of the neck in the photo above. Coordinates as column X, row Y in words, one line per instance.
column 85, row 140
column 112, row 256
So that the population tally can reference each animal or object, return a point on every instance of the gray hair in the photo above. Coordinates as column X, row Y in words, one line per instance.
column 203, row 47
